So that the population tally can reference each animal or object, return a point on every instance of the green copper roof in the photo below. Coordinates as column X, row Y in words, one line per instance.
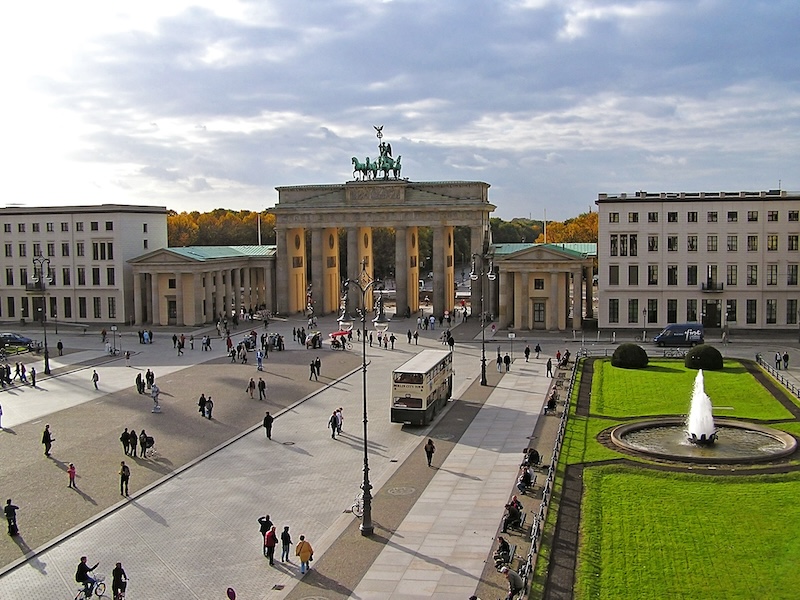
column 203, row 253
column 577, row 248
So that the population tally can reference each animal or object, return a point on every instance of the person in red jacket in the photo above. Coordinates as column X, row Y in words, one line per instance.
column 270, row 541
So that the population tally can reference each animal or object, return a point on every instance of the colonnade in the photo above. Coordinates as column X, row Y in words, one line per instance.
column 191, row 295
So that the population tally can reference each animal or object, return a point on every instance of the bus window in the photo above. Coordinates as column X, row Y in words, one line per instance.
column 411, row 378
column 407, row 402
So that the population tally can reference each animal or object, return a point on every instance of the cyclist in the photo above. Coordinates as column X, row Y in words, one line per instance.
column 82, row 576
column 119, row 582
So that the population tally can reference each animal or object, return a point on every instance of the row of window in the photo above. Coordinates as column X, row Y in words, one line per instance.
column 650, row 315
column 100, row 250
column 712, row 216
column 66, row 276
column 51, row 227
column 773, row 275
column 27, row 308
column 623, row 244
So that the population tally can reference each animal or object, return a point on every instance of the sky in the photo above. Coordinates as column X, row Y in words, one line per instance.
column 205, row 104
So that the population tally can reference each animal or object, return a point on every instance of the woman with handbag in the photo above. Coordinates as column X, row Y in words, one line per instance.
column 306, row 553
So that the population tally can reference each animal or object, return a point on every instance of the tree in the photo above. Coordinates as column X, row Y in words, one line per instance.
column 582, row 228
column 182, row 230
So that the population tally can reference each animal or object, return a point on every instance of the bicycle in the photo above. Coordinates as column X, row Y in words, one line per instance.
column 358, row 505
column 99, row 588
column 120, row 595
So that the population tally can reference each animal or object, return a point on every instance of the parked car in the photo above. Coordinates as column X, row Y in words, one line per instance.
column 14, row 339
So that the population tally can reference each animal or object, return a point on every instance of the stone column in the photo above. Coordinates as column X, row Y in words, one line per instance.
column 282, row 262
column 522, row 303
column 412, row 264
column 331, row 279
column 237, row 289
column 197, row 298
column 588, row 283
column 577, row 299
column 179, row 299
column 353, row 266
column 208, row 313
column 155, row 300
column 401, row 270
column 317, row 271
column 439, row 253
column 219, row 295
column 553, row 308
column 137, row 297
column 248, row 291
column 296, row 267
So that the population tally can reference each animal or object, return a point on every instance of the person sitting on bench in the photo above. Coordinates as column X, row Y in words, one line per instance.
column 503, row 553
column 532, row 458
column 512, row 518
column 524, row 481
column 515, row 501
column 551, row 403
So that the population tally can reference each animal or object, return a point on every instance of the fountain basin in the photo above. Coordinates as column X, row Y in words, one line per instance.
column 736, row 441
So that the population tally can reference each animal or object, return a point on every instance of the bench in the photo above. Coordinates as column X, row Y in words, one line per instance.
column 498, row 563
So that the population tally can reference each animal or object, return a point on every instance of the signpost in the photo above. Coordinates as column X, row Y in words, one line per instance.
column 511, row 337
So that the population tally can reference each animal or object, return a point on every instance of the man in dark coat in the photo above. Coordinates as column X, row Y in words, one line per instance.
column 268, row 419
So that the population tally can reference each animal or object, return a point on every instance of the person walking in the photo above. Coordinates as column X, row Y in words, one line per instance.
column 270, row 541
column 778, row 359
column 527, row 352
column 499, row 362
column 549, row 367
column 174, row 341
column 95, row 378
column 10, row 511
column 127, row 358
column 60, row 346
column 125, row 438
column 71, row 471
column 251, row 388
column 333, row 423
column 1, row 417
column 429, row 450
column 286, row 541
column 201, row 404
column 142, row 443
column 507, row 362
column 265, row 524
column 409, row 336
column 312, row 371
column 47, row 440
column 339, row 420
column 318, row 366
column 139, row 383
column 262, row 389
column 209, row 407
column 538, row 349
column 306, row 553
column 268, row 419
column 124, row 478
column 416, row 338
column 134, row 439
column 33, row 376
column 786, row 360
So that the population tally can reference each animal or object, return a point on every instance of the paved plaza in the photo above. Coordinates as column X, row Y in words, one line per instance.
column 189, row 529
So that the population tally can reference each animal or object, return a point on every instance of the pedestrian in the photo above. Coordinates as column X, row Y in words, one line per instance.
column 259, row 360
column 125, row 438
column 180, row 348
column 71, row 472
column 268, row 420
column 549, row 367
column 262, row 389
column 95, row 378
column 10, row 511
column 392, row 340
column 201, row 403
column 191, row 342
column 119, row 581
column 265, row 524
column 1, row 417
column 451, row 342
column 370, row 339
column 527, row 352
column 429, row 450
column 306, row 553
column 47, row 440
column 778, row 359
column 251, row 387
column 22, row 377
column 786, row 360
column 270, row 541
column 127, row 358
column 409, row 336
column 538, row 349
column 134, row 439
column 333, row 423
column 142, row 443
column 312, row 371
column 286, row 541
column 499, row 362
column 318, row 366
column 124, row 477
column 33, row 376
column 507, row 362
column 60, row 347
column 174, row 341
column 558, row 356
column 139, row 383
column 416, row 338
column 209, row 407
column 339, row 420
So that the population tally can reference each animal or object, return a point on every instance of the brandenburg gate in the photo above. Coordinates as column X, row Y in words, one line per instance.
column 378, row 197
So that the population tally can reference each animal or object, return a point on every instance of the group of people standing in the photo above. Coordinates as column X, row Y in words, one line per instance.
column 205, row 406
column 130, row 441
column 269, row 538
column 148, row 381
column 781, row 358
column 335, row 422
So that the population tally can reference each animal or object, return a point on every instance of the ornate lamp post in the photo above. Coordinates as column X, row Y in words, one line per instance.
column 644, row 324
column 363, row 283
column 490, row 276
column 40, row 278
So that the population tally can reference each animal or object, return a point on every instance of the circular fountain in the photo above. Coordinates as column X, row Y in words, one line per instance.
column 701, row 439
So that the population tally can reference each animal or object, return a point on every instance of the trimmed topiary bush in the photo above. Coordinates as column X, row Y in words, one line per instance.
column 629, row 356
column 703, row 357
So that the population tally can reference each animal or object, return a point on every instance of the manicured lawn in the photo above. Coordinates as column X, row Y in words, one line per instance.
column 662, row 535
column 665, row 387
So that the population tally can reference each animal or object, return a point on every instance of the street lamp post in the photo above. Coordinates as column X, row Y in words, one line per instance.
column 490, row 276
column 363, row 283
column 644, row 324
column 40, row 278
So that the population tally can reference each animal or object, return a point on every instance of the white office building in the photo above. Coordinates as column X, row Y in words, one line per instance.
column 84, row 251
column 723, row 259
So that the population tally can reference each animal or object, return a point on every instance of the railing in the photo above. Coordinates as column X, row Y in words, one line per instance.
column 711, row 287
column 778, row 375
column 35, row 287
